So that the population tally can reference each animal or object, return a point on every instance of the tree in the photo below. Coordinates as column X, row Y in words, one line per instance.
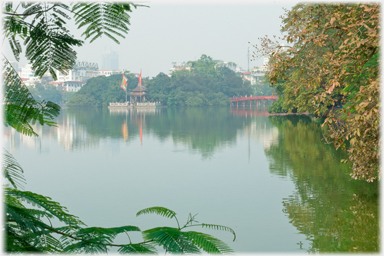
column 49, row 48
column 330, row 68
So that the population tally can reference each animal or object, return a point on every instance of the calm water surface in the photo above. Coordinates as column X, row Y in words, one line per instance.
column 271, row 179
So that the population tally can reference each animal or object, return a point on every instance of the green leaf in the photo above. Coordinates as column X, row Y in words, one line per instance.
column 157, row 210
column 219, row 227
column 12, row 170
column 207, row 242
column 20, row 108
column 137, row 249
column 171, row 239
column 103, row 18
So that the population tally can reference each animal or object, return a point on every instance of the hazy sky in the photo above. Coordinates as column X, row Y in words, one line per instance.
column 175, row 31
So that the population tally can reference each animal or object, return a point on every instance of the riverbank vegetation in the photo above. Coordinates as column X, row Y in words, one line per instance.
column 204, row 84
column 325, row 198
column 329, row 66
column 100, row 91
column 35, row 223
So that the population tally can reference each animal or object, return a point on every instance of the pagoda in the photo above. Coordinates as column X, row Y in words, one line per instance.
column 138, row 94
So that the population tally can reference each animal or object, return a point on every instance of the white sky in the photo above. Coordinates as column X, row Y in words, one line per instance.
column 177, row 31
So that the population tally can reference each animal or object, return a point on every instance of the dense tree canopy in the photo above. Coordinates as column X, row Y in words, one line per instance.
column 329, row 67
column 100, row 91
column 205, row 84
column 46, row 92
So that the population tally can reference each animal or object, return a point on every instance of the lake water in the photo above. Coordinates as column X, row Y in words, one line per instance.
column 271, row 179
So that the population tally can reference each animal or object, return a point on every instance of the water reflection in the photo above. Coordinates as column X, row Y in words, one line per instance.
column 336, row 214
column 202, row 130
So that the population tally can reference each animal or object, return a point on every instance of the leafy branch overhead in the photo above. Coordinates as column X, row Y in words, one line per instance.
column 42, row 28
column 20, row 108
column 103, row 18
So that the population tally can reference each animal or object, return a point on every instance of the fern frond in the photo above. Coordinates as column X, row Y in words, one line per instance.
column 86, row 246
column 49, row 205
column 103, row 18
column 20, row 108
column 12, row 170
column 109, row 232
column 138, row 249
column 219, row 227
column 207, row 242
column 167, row 237
column 157, row 210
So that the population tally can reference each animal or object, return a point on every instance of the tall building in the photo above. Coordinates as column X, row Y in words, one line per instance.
column 110, row 59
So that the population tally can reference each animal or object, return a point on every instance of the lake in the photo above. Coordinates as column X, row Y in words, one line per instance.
column 270, row 178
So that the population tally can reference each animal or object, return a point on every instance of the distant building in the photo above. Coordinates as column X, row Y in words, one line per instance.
column 179, row 66
column 82, row 71
column 73, row 86
column 110, row 59
column 27, row 75
column 109, row 72
column 231, row 65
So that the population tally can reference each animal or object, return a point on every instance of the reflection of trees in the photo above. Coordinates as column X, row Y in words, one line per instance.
column 336, row 213
column 200, row 129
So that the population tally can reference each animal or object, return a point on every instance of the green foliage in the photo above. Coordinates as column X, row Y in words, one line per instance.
column 48, row 93
column 26, row 230
column 205, row 85
column 49, row 44
column 325, row 198
column 49, row 48
column 330, row 68
column 100, row 91
column 158, row 210
column 103, row 18
column 174, row 240
column 20, row 108
column 12, row 170
column 137, row 249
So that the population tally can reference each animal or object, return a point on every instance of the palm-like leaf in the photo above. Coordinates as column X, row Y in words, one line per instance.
column 219, row 227
column 207, row 242
column 94, row 239
column 12, row 170
column 103, row 18
column 137, row 249
column 157, row 210
column 46, row 203
column 21, row 109
column 49, row 44
column 171, row 239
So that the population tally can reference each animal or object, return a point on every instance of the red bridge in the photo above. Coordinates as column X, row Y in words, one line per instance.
column 250, row 99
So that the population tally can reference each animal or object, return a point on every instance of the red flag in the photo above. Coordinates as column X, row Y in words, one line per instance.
column 140, row 78
column 141, row 134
